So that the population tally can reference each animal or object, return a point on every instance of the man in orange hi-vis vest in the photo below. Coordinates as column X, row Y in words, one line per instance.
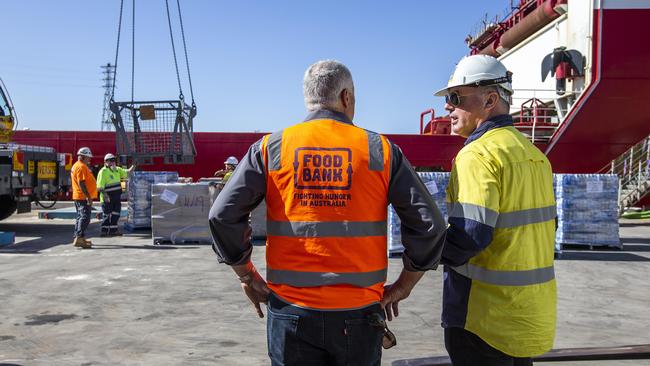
column 84, row 190
column 327, row 185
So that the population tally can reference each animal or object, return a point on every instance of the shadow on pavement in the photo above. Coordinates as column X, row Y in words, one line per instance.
column 45, row 235
column 152, row 247
column 633, row 224
column 636, row 244
column 601, row 256
column 632, row 251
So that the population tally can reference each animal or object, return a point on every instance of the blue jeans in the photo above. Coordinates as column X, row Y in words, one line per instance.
column 298, row 336
column 83, row 218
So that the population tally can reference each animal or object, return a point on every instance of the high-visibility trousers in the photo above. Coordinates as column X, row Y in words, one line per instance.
column 112, row 211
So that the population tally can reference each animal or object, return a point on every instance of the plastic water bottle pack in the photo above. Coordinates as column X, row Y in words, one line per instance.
column 587, row 210
column 436, row 183
column 139, row 195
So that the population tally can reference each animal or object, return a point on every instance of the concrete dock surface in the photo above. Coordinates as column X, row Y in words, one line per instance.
column 129, row 302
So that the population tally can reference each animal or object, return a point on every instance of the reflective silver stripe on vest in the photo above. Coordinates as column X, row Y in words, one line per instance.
column 375, row 151
column 506, row 278
column 525, row 217
column 274, row 147
column 111, row 187
column 470, row 211
column 314, row 279
column 311, row 229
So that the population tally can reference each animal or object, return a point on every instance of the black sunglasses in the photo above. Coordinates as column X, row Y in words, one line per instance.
column 110, row 159
column 388, row 339
column 453, row 98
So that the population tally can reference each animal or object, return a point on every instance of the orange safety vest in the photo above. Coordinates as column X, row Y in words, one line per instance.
column 327, row 197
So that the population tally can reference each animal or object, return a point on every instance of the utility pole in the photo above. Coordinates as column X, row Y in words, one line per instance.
column 109, row 80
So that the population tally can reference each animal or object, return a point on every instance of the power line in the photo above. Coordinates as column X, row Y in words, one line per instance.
column 109, row 83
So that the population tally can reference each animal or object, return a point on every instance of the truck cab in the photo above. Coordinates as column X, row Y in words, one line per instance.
column 27, row 173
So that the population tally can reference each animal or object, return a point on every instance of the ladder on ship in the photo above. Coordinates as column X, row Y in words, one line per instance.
column 633, row 170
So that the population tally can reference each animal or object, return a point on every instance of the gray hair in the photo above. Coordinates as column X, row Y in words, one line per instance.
column 323, row 83
column 505, row 98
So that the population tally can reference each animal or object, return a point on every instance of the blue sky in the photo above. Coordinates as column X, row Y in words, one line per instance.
column 247, row 58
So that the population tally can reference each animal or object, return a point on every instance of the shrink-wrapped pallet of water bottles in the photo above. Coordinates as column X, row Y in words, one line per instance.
column 139, row 196
column 587, row 210
column 436, row 183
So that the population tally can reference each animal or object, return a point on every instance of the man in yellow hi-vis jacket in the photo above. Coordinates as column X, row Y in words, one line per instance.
column 110, row 188
column 499, row 297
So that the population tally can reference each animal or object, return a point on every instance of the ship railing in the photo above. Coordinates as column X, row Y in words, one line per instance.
column 540, row 111
column 536, row 119
column 434, row 125
column 633, row 170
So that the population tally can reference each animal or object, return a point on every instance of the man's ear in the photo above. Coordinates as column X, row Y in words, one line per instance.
column 345, row 98
column 491, row 101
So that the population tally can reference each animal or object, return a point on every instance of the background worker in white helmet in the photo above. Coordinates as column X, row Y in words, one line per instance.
column 230, row 165
column 109, row 185
column 84, row 190
column 499, row 294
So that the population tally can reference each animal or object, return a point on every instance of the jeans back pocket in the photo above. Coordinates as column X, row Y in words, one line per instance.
column 282, row 340
column 364, row 342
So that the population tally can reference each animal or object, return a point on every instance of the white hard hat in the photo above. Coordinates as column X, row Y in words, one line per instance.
column 85, row 151
column 109, row 156
column 479, row 70
column 231, row 161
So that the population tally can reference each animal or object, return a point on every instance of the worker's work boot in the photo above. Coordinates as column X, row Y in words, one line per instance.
column 87, row 241
column 80, row 242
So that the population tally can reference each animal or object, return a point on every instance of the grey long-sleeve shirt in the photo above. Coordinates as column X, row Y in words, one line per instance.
column 423, row 227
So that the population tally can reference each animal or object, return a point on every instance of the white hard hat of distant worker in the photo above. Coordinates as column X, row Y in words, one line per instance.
column 109, row 156
column 231, row 161
column 85, row 151
column 480, row 70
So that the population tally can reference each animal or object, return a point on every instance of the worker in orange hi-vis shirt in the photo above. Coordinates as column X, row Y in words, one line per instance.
column 84, row 190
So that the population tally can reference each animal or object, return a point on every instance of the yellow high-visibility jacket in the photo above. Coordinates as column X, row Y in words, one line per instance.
column 109, row 181
column 499, row 280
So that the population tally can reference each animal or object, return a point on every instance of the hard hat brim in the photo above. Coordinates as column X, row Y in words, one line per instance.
column 442, row 92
